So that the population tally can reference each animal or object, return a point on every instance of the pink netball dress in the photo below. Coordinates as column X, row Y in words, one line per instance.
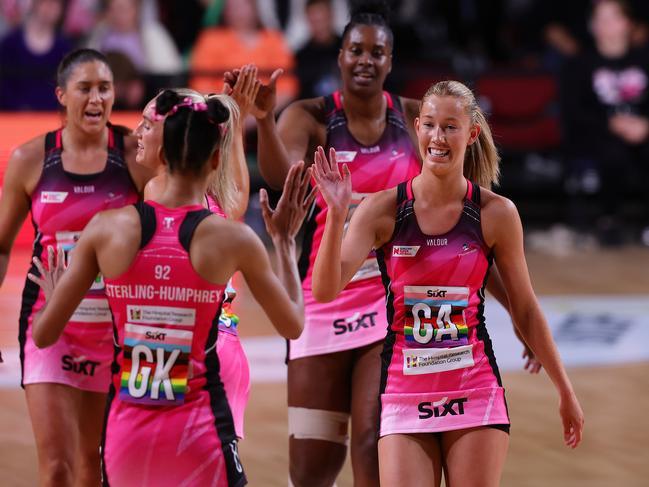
column 62, row 204
column 357, row 316
column 168, row 420
column 235, row 371
column 439, row 371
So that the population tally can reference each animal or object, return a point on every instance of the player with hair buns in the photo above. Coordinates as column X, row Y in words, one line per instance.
column 166, row 264
column 227, row 196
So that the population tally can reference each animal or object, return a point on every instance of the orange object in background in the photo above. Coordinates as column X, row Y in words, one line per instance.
column 19, row 127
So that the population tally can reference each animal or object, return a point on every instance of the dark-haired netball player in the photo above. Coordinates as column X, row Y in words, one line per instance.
column 64, row 178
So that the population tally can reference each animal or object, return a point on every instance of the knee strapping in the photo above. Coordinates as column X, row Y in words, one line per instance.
column 318, row 424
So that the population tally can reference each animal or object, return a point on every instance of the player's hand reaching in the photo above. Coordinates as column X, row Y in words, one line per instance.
column 243, row 89
column 49, row 276
column 266, row 97
column 286, row 219
column 335, row 186
column 532, row 364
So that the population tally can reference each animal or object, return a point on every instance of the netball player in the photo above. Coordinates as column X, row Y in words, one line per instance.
column 442, row 404
column 64, row 178
column 227, row 195
column 333, row 368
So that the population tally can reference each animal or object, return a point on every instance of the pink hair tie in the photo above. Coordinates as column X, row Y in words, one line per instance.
column 199, row 106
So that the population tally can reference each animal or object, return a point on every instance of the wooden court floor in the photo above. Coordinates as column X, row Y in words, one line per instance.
column 615, row 399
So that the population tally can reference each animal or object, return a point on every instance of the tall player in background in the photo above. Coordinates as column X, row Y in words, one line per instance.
column 64, row 177
column 436, row 235
column 169, row 422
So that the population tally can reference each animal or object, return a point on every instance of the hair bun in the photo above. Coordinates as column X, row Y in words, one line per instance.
column 166, row 100
column 370, row 7
column 216, row 111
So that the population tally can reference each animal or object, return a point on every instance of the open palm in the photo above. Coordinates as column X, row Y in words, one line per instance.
column 335, row 187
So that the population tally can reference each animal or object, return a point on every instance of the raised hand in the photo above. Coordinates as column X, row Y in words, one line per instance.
column 243, row 88
column 572, row 418
column 335, row 188
column 532, row 364
column 286, row 219
column 267, row 97
column 50, row 276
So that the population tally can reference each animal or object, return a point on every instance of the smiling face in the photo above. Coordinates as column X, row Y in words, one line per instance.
column 88, row 96
column 149, row 138
column 365, row 58
column 444, row 131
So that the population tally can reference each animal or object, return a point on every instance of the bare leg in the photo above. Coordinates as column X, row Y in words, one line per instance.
column 413, row 460
column 321, row 382
column 474, row 457
column 365, row 415
column 91, row 418
column 52, row 409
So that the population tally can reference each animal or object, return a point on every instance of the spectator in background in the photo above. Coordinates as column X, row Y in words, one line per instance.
column 183, row 20
column 128, row 84
column 145, row 41
column 241, row 40
column 29, row 56
column 317, row 62
column 605, row 110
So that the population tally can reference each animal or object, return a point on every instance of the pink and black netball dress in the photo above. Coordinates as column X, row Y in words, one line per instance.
column 168, row 419
column 439, row 372
column 61, row 205
column 357, row 316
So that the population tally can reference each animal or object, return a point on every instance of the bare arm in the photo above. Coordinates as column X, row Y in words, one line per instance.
column 496, row 287
column 244, row 92
column 338, row 259
column 506, row 238
column 70, row 289
column 15, row 201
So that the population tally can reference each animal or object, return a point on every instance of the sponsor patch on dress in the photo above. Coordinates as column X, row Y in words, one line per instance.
column 155, row 366
column 345, row 155
column 405, row 250
column 161, row 315
column 92, row 311
column 435, row 316
column 418, row 361
column 53, row 196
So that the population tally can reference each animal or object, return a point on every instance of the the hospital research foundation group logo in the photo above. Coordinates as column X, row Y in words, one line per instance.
column 134, row 313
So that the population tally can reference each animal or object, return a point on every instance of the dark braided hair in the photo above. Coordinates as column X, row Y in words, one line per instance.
column 190, row 136
column 368, row 12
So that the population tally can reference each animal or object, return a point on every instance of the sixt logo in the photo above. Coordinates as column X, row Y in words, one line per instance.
column 78, row 365
column 432, row 410
column 157, row 335
column 355, row 323
column 436, row 293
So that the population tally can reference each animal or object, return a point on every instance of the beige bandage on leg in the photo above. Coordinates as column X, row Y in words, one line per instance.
column 318, row 424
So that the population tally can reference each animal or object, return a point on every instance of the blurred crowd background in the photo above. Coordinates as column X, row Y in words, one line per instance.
column 565, row 83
